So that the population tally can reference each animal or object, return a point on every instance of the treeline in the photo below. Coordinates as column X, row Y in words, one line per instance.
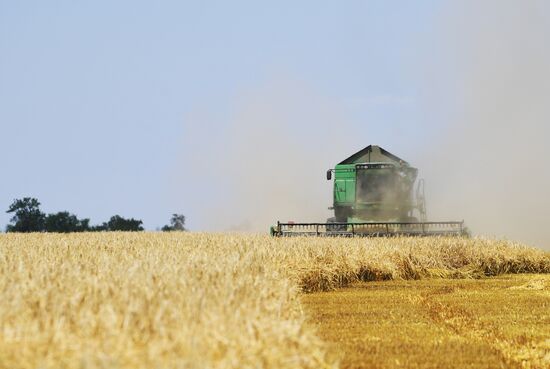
column 27, row 217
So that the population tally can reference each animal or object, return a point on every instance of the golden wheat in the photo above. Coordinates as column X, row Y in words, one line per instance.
column 182, row 300
column 500, row 322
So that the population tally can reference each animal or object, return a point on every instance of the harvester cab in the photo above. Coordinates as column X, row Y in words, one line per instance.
column 374, row 194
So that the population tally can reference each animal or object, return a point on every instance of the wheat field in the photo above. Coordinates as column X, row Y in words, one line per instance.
column 197, row 300
column 498, row 322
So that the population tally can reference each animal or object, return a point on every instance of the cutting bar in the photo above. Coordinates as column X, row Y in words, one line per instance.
column 370, row 229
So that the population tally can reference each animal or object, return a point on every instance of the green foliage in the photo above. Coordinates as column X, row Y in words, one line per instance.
column 118, row 223
column 27, row 216
column 177, row 223
column 99, row 228
column 64, row 222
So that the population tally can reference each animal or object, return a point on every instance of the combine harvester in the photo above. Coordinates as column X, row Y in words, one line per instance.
column 374, row 195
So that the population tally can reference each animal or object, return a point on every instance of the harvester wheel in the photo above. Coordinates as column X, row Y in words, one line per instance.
column 334, row 227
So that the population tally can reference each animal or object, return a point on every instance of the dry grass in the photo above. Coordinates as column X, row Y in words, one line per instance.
column 501, row 322
column 150, row 300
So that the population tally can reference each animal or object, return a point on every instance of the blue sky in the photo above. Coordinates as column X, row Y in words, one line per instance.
column 99, row 100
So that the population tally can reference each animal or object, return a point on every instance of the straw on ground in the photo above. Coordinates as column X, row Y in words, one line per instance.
column 182, row 300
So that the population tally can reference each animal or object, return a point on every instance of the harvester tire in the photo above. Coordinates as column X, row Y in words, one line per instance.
column 334, row 227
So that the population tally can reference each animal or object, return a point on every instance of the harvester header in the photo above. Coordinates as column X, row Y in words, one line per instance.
column 374, row 194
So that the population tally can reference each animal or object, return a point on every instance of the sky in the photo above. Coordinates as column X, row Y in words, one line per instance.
column 231, row 112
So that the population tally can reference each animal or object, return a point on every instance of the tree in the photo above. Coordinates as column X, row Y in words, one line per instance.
column 64, row 222
column 118, row 223
column 27, row 216
column 177, row 223
column 99, row 228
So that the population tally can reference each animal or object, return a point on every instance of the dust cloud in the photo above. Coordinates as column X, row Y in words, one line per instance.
column 488, row 101
column 269, row 162
column 483, row 91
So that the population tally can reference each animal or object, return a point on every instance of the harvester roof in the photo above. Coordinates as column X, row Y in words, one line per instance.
column 373, row 154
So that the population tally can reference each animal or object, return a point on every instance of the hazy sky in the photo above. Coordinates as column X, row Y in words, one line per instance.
column 230, row 112
column 98, row 100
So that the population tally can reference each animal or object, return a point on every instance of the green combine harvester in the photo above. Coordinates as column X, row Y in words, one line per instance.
column 374, row 195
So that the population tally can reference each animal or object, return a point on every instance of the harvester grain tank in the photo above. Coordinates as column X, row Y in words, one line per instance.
column 375, row 193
